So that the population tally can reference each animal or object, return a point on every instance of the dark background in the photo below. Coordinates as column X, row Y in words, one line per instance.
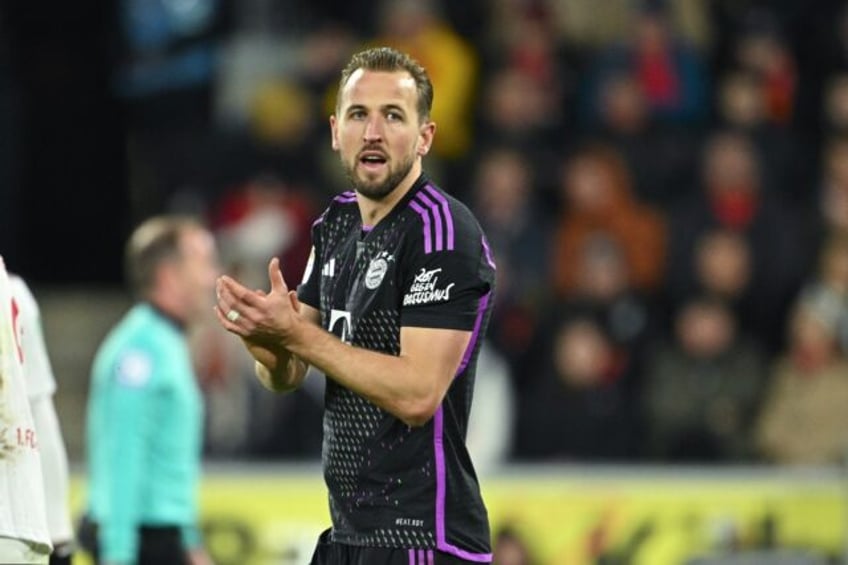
column 63, row 159
column 63, row 156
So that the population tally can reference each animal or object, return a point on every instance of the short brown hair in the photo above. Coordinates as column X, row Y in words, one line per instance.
column 153, row 242
column 387, row 59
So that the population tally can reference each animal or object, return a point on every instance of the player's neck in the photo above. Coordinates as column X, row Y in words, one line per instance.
column 372, row 211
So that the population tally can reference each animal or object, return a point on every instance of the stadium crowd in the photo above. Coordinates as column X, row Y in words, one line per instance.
column 664, row 185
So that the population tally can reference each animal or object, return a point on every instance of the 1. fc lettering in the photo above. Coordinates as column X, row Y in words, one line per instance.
column 26, row 437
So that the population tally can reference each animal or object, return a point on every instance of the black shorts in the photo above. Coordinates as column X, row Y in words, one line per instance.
column 328, row 552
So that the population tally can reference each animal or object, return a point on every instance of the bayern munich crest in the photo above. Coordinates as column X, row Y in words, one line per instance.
column 376, row 271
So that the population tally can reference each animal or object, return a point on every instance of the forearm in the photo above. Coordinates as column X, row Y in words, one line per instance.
column 285, row 374
column 391, row 382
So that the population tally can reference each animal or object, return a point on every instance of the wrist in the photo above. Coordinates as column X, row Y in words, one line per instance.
column 282, row 378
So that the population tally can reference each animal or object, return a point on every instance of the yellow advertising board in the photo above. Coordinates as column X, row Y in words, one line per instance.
column 567, row 516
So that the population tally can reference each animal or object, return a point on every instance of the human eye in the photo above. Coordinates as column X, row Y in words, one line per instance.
column 356, row 114
column 394, row 116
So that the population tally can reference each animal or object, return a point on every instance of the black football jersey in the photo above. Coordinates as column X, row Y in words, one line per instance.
column 426, row 264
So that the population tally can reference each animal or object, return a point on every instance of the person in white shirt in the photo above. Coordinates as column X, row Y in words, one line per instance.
column 24, row 537
column 41, row 386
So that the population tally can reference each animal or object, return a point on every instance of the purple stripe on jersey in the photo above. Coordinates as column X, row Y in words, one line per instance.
column 346, row 197
column 446, row 209
column 481, row 311
column 318, row 221
column 488, row 252
column 411, row 557
column 425, row 217
column 421, row 556
column 367, row 228
column 430, row 557
column 441, row 541
column 436, row 216
column 439, row 448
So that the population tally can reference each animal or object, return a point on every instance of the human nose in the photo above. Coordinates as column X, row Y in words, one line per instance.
column 373, row 130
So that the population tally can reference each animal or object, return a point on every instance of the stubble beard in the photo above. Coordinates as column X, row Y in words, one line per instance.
column 378, row 190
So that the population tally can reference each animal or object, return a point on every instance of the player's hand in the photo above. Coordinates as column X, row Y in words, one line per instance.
column 267, row 320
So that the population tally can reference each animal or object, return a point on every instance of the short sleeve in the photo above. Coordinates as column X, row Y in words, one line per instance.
column 444, row 288
column 37, row 367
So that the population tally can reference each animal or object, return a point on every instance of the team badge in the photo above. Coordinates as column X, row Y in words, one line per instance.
column 134, row 369
column 376, row 271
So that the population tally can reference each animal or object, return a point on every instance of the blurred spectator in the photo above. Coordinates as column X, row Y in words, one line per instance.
column 167, row 57
column 762, row 48
column 522, row 36
column 702, row 388
column 274, row 92
column 593, row 24
column 519, row 113
column 506, row 205
column 263, row 218
column 668, row 68
column 733, row 198
column 804, row 420
column 831, row 212
column 741, row 106
column 835, row 104
column 578, row 408
column 724, row 269
column 597, row 198
column 420, row 29
column 281, row 122
column 603, row 289
column 828, row 285
column 659, row 157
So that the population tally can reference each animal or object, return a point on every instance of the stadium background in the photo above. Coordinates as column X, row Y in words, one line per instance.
column 112, row 111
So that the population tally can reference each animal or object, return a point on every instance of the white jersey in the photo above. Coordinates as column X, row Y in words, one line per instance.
column 22, row 511
column 37, row 368
column 41, row 385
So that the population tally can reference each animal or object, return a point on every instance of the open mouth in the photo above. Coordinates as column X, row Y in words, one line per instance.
column 372, row 159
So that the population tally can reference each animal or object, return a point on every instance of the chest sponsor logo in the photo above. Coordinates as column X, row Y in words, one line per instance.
column 377, row 270
column 426, row 289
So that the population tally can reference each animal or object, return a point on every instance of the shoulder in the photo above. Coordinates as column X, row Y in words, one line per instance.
column 22, row 294
column 138, row 347
column 442, row 219
column 342, row 206
column 141, row 329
